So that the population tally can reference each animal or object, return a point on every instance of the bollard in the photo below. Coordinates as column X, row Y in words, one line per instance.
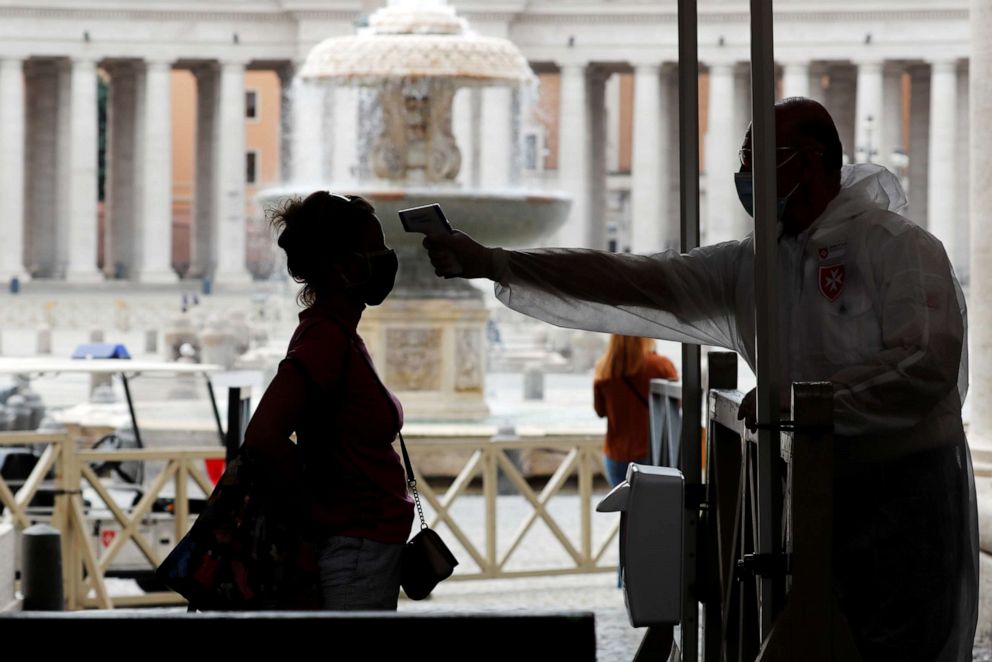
column 533, row 382
column 503, row 484
column 41, row 572
column 44, row 345
column 151, row 341
column 15, row 285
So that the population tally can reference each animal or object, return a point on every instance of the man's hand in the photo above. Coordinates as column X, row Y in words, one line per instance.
column 748, row 411
column 457, row 254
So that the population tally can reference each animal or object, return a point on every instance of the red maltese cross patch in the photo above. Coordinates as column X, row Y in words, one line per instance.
column 832, row 281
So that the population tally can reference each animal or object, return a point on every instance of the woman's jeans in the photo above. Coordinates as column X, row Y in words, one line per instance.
column 358, row 574
column 616, row 471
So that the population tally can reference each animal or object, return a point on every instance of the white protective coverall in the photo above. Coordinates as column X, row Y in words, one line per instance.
column 868, row 301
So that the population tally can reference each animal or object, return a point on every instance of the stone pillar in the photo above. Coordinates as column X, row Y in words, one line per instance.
column 941, row 171
column 497, row 142
column 81, row 193
column 868, row 115
column 841, row 104
column 121, row 194
column 203, row 258
column 817, row 70
column 596, row 91
column 980, row 303
column 42, row 168
column 12, row 123
column 611, row 103
column 795, row 79
column 307, row 133
column 649, row 174
column 230, row 214
column 153, row 227
column 919, row 143
column 574, row 154
column 962, row 179
column 723, row 210
column 890, row 133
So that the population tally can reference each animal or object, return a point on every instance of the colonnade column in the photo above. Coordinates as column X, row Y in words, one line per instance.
column 941, row 168
column 81, row 194
column 980, row 196
column 12, row 136
column 153, row 223
column 919, row 143
column 573, row 153
column 203, row 235
column 229, row 212
column 121, row 193
column 868, row 113
column 724, row 213
column 890, row 136
column 649, row 173
column 795, row 79
column 306, row 106
column 42, row 168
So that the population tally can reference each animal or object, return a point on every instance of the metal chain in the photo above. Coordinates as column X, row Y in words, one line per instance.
column 416, row 500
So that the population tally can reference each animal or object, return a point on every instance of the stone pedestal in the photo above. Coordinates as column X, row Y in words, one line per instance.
column 432, row 354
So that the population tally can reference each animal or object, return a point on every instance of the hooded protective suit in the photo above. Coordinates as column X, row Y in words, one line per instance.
column 868, row 301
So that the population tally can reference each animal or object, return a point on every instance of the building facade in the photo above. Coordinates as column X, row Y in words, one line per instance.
column 180, row 150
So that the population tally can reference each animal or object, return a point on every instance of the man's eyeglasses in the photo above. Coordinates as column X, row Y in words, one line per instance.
column 782, row 156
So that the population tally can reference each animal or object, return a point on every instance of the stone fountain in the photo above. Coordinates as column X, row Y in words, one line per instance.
column 429, row 337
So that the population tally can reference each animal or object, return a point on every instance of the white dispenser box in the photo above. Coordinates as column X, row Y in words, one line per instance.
column 651, row 507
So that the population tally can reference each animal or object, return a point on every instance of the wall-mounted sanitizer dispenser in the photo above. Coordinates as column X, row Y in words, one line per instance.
column 650, row 503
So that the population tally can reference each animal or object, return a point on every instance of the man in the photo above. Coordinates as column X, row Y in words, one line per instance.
column 867, row 301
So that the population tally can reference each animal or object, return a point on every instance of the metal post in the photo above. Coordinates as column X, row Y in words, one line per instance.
column 766, row 291
column 238, row 414
column 130, row 408
column 689, row 450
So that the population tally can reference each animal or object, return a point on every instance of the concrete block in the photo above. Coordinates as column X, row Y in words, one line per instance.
column 983, row 637
column 8, row 563
column 44, row 345
column 533, row 383
column 983, row 488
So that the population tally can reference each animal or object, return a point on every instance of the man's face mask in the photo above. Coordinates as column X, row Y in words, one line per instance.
column 382, row 266
column 744, row 183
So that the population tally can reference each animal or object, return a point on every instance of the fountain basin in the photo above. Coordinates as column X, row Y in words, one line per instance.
column 510, row 218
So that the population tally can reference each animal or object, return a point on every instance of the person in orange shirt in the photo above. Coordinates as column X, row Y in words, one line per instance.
column 620, row 393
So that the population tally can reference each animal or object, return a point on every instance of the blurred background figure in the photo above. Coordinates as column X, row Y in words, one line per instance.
column 620, row 390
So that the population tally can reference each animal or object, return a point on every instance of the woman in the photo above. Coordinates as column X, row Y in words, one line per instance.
column 620, row 393
column 348, row 478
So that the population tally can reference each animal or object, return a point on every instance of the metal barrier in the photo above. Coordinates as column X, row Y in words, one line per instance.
column 86, row 567
column 810, row 625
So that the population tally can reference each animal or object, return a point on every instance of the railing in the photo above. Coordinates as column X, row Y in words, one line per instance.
column 490, row 465
column 810, row 626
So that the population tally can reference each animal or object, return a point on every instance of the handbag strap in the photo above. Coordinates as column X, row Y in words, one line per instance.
column 411, row 480
column 640, row 396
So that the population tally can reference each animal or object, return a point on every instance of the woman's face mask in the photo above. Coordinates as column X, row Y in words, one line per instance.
column 382, row 267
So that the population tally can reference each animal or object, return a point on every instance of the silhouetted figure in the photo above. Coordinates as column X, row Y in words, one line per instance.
column 351, row 481
column 868, row 301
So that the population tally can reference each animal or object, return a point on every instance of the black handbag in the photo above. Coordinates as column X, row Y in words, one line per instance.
column 426, row 560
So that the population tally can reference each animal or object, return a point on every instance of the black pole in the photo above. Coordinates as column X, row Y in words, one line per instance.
column 130, row 408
